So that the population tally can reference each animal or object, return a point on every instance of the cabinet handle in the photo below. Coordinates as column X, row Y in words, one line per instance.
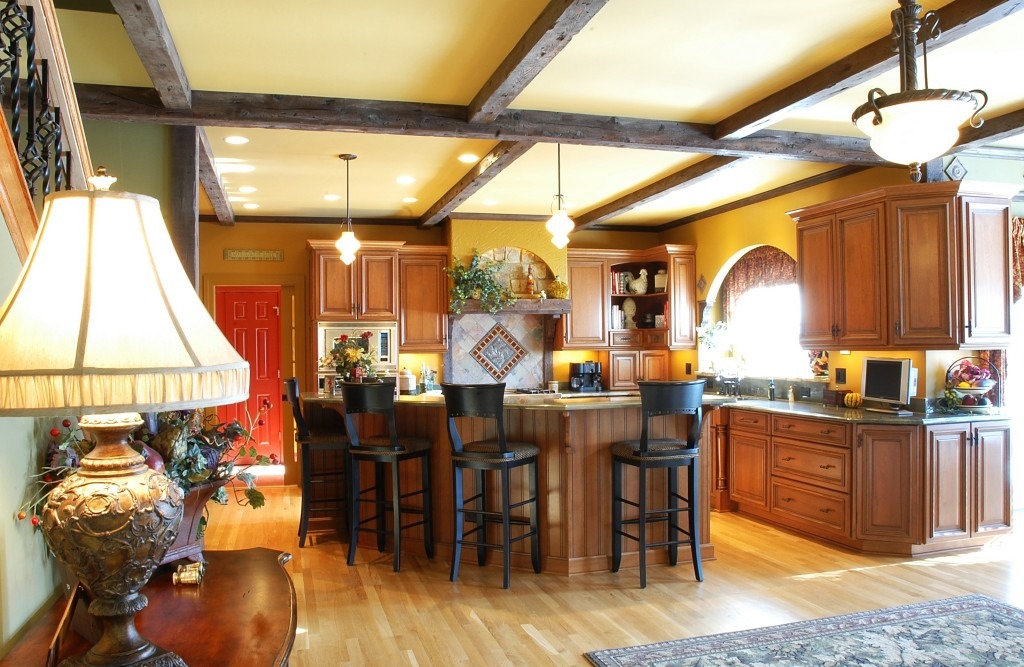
column 787, row 500
column 785, row 426
column 787, row 458
column 825, row 510
column 825, row 431
column 827, row 466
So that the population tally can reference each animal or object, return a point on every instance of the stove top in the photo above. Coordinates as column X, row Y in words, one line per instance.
column 533, row 390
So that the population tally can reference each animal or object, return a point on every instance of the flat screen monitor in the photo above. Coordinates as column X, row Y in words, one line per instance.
column 890, row 382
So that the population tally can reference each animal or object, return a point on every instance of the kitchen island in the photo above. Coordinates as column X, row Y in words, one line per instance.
column 575, row 435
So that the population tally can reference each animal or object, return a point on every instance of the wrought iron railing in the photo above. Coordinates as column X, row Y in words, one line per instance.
column 33, row 121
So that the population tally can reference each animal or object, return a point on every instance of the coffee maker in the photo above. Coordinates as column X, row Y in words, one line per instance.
column 585, row 376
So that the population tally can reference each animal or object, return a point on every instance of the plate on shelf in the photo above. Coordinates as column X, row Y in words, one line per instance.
column 972, row 391
column 974, row 408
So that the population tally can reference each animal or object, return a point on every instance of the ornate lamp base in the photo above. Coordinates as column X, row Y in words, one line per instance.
column 110, row 524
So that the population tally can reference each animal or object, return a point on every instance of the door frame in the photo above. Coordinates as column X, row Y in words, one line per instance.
column 293, row 336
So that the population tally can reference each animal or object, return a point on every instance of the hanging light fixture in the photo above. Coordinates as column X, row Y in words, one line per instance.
column 915, row 125
column 560, row 224
column 348, row 244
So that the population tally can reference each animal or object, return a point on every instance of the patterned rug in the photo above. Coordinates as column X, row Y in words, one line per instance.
column 963, row 631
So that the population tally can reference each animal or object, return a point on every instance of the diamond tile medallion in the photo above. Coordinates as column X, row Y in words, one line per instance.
column 498, row 352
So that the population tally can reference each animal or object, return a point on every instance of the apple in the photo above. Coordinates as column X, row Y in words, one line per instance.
column 969, row 400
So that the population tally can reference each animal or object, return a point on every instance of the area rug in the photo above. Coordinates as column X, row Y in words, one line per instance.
column 963, row 631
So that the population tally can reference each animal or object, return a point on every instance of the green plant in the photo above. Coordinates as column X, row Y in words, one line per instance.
column 478, row 280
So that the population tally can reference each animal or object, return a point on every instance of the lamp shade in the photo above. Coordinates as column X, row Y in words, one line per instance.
column 103, row 318
column 917, row 130
column 348, row 244
column 559, row 225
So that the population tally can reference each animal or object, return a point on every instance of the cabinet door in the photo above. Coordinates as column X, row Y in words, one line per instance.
column 986, row 266
column 586, row 326
column 423, row 313
column 991, row 473
column 378, row 286
column 335, row 284
column 861, row 305
column 683, row 306
column 815, row 275
column 748, row 468
column 623, row 370
column 887, row 478
column 654, row 365
column 948, row 478
column 925, row 275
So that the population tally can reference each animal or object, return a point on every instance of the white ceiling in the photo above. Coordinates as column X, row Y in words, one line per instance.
column 671, row 60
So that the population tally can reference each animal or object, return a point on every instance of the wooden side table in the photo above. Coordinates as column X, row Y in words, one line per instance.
column 242, row 614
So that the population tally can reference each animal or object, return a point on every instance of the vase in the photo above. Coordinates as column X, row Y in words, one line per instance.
column 189, row 542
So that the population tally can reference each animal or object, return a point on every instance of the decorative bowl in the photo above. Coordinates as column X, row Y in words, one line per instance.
column 972, row 391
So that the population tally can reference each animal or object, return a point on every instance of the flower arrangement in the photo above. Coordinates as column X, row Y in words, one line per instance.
column 187, row 447
column 967, row 374
column 477, row 281
column 350, row 357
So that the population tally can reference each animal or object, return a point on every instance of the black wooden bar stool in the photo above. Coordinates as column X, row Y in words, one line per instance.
column 322, row 446
column 494, row 455
column 657, row 399
column 385, row 452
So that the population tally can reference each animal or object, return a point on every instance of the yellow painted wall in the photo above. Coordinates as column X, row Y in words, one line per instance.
column 466, row 235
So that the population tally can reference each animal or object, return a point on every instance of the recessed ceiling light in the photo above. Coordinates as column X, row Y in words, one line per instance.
column 468, row 158
column 409, row 200
column 330, row 196
column 233, row 166
column 247, row 189
column 251, row 206
column 490, row 202
column 405, row 180
column 236, row 140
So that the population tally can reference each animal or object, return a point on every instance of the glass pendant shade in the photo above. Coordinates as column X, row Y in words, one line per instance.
column 348, row 244
column 559, row 226
column 916, row 130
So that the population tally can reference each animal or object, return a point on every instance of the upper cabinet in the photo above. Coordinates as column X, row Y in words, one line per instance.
column 923, row 266
column 366, row 290
column 422, row 290
column 631, row 299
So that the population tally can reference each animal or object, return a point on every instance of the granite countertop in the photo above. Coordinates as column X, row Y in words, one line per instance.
column 808, row 409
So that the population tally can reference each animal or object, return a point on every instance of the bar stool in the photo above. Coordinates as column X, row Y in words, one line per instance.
column 656, row 399
column 323, row 476
column 386, row 452
column 494, row 455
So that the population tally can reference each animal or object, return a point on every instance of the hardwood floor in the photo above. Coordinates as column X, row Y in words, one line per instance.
column 368, row 615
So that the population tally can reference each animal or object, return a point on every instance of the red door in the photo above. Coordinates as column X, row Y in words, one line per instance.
column 250, row 317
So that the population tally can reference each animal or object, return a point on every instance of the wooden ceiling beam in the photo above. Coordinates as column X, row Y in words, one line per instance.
column 560, row 21
column 686, row 177
column 492, row 164
column 957, row 19
column 291, row 112
column 212, row 184
column 994, row 129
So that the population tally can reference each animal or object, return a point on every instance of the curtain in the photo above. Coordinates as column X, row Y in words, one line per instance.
column 1017, row 251
column 764, row 266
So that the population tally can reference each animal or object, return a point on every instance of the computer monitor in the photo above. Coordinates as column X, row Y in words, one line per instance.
column 890, row 382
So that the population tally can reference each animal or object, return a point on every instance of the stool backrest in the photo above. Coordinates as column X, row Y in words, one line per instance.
column 376, row 398
column 475, row 400
column 672, row 398
column 291, row 392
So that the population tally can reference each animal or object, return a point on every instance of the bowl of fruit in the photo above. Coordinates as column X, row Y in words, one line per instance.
column 969, row 383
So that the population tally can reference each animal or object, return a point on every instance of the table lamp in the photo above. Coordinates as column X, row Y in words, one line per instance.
column 104, row 323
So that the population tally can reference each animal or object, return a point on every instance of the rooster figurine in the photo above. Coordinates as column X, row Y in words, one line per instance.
column 639, row 285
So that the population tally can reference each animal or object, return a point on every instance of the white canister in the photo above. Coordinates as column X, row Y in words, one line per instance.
column 406, row 382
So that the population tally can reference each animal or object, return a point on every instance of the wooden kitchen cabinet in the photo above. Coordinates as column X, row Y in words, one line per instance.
column 922, row 266
column 366, row 290
column 628, row 367
column 888, row 474
column 748, row 457
column 586, row 325
column 967, row 480
column 423, row 299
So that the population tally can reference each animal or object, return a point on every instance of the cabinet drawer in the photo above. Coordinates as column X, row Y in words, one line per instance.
column 815, row 464
column 820, row 507
column 655, row 338
column 625, row 338
column 819, row 430
column 748, row 421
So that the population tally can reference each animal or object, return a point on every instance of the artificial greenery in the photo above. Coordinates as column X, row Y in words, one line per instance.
column 478, row 280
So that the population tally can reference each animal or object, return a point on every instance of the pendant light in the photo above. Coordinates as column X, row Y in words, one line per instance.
column 560, row 223
column 348, row 244
column 915, row 125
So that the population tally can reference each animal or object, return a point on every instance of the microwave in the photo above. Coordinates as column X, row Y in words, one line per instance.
column 382, row 343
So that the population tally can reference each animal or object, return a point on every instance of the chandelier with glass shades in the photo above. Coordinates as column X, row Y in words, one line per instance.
column 916, row 125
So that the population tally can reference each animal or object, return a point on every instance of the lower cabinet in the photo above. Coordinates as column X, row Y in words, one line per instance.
column 626, row 367
column 881, row 488
column 967, row 465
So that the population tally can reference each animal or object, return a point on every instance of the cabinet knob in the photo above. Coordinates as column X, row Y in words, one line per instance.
column 825, row 431
column 825, row 510
column 826, row 466
column 787, row 500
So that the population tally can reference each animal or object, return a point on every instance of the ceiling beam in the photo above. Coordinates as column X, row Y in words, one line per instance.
column 492, row 164
column 686, row 177
column 292, row 112
column 957, row 19
column 560, row 21
column 147, row 29
column 994, row 129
